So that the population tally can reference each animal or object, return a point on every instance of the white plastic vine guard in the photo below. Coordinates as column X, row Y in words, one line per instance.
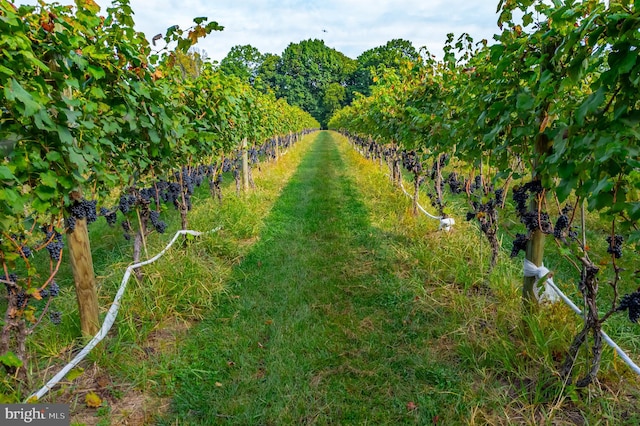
column 446, row 224
column 549, row 294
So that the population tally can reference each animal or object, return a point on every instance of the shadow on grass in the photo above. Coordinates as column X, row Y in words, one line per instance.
column 317, row 327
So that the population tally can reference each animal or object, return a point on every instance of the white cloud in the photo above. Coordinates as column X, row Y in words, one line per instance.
column 350, row 26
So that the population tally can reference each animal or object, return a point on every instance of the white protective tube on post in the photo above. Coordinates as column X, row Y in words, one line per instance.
column 446, row 223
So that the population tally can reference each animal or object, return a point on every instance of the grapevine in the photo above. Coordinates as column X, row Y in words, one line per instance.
column 551, row 97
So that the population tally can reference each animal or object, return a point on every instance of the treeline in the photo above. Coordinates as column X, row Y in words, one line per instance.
column 313, row 76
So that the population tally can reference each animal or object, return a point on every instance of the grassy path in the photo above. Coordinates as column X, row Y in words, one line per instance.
column 315, row 328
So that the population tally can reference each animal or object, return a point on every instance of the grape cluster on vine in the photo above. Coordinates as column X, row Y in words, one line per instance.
column 126, row 227
column 563, row 228
column 26, row 251
column 486, row 213
column 631, row 304
column 533, row 219
column 170, row 192
column 110, row 216
column 226, row 165
column 521, row 195
column 187, row 179
column 84, row 209
column 436, row 199
column 615, row 245
column 519, row 243
column 12, row 277
column 148, row 195
column 159, row 225
column 21, row 299
column 476, row 184
column 253, row 156
column 70, row 223
column 561, row 224
column 55, row 317
column 54, row 243
column 411, row 162
column 455, row 185
column 439, row 164
column 127, row 203
column 51, row 291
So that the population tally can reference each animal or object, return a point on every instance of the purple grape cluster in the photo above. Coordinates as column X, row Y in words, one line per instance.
column 83, row 209
column 476, row 184
column 561, row 224
column 110, row 216
column 615, row 245
column 127, row 203
column 436, row 201
column 631, row 303
column 21, row 299
column 70, row 223
column 253, row 156
column 55, row 244
column 55, row 317
column 519, row 243
column 51, row 291
column 411, row 162
column 455, row 185
column 533, row 219
column 226, row 165
column 170, row 192
column 520, row 198
column 439, row 164
column 188, row 181
column 126, row 227
column 147, row 195
column 159, row 225
column 26, row 251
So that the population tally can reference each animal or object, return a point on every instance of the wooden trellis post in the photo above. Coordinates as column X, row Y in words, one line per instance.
column 245, row 166
column 84, row 277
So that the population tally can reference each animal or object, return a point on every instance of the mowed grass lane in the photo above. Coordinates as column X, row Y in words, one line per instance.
column 316, row 326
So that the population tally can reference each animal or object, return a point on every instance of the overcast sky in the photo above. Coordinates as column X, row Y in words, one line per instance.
column 349, row 26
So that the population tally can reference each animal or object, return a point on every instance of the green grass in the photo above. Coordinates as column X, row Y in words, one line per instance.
column 401, row 320
column 513, row 359
column 177, row 290
column 316, row 326
column 323, row 300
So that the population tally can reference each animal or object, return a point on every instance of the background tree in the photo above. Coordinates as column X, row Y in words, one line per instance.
column 333, row 98
column 306, row 70
column 390, row 56
column 244, row 62
column 267, row 72
column 313, row 76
